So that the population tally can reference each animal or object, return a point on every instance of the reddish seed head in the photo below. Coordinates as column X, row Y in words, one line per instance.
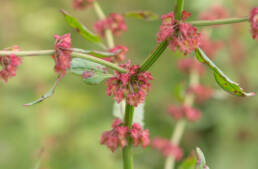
column 132, row 86
column 139, row 136
column 179, row 112
column 254, row 22
column 202, row 93
column 82, row 4
column 186, row 65
column 115, row 22
column 9, row 64
column 167, row 148
column 62, row 55
column 180, row 35
column 176, row 112
column 214, row 12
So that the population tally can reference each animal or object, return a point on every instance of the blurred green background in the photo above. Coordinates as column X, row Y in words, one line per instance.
column 69, row 124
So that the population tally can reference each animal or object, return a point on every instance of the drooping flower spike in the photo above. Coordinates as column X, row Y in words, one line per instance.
column 254, row 23
column 82, row 4
column 115, row 22
column 62, row 56
column 9, row 64
column 180, row 35
column 132, row 86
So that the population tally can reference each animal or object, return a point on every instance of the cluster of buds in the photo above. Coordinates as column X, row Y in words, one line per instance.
column 201, row 92
column 119, row 135
column 62, row 55
column 167, row 148
column 254, row 23
column 188, row 112
column 82, row 4
column 180, row 35
column 132, row 86
column 115, row 22
column 120, row 54
column 9, row 64
column 186, row 65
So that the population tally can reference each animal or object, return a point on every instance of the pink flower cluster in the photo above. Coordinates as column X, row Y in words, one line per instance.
column 9, row 64
column 115, row 22
column 186, row 65
column 209, row 46
column 62, row 55
column 201, row 92
column 120, row 54
column 82, row 4
column 254, row 23
column 180, row 35
column 132, row 86
column 118, row 136
column 214, row 12
column 167, row 148
column 188, row 112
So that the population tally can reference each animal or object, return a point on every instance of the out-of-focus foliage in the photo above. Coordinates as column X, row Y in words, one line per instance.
column 68, row 125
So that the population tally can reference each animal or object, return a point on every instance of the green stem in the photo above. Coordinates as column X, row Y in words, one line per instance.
column 179, row 9
column 108, row 33
column 219, row 21
column 127, row 150
column 181, row 124
column 73, row 54
column 150, row 60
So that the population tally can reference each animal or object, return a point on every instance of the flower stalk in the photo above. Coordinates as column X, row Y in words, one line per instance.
column 219, row 21
column 127, row 150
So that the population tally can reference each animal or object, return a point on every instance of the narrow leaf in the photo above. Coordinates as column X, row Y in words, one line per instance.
column 201, row 162
column 47, row 95
column 92, row 73
column 99, row 54
column 80, row 28
column 119, row 111
column 224, row 82
column 143, row 15
column 189, row 163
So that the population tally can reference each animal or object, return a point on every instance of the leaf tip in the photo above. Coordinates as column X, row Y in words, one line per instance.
column 250, row 94
column 63, row 12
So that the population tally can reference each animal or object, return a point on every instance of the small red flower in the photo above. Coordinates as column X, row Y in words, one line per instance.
column 254, row 22
column 201, row 92
column 115, row 22
column 176, row 112
column 139, row 136
column 9, row 64
column 132, row 86
column 62, row 56
column 167, row 148
column 82, row 4
column 180, row 35
column 186, row 65
column 214, row 12
column 188, row 112
column 120, row 54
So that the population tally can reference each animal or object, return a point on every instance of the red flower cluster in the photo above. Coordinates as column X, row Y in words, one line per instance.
column 82, row 4
column 201, row 92
column 214, row 12
column 9, row 64
column 186, row 65
column 209, row 46
column 120, row 54
column 254, row 23
column 62, row 56
column 178, row 112
column 167, row 148
column 132, row 86
column 115, row 22
column 117, row 137
column 180, row 35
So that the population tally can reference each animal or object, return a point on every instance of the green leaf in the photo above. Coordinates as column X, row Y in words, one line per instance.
column 144, row 15
column 119, row 110
column 224, row 82
column 80, row 28
column 47, row 95
column 201, row 162
column 96, row 72
column 99, row 54
column 188, row 163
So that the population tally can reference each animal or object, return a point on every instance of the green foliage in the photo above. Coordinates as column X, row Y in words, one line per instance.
column 224, row 82
column 142, row 15
column 97, row 73
column 99, row 54
column 188, row 163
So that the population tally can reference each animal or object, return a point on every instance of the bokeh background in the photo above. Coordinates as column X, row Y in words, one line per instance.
column 67, row 126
